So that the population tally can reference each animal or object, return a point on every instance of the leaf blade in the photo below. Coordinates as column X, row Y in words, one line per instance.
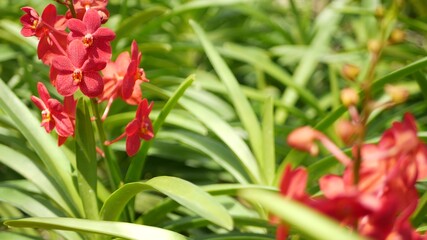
column 117, row 229
column 240, row 102
column 183, row 192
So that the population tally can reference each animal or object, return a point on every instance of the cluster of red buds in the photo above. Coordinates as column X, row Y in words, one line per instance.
column 78, row 51
column 379, row 203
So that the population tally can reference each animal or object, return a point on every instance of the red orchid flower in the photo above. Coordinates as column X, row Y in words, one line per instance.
column 49, row 28
column 30, row 21
column 70, row 109
column 113, row 75
column 134, row 73
column 53, row 114
column 140, row 127
column 94, row 37
column 292, row 185
column 381, row 202
column 81, row 6
column 76, row 70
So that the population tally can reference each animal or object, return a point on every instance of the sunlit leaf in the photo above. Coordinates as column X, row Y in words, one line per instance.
column 183, row 192
column 116, row 229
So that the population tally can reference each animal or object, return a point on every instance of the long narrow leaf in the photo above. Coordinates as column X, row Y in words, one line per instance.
column 136, row 20
column 116, row 229
column 54, row 159
column 183, row 192
column 28, row 169
column 379, row 83
column 33, row 207
column 269, row 163
column 252, row 56
column 86, row 160
column 223, row 156
column 327, row 22
column 240, row 102
column 16, row 236
column 154, row 215
column 219, row 127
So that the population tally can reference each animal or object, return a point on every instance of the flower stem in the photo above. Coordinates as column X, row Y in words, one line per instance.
column 72, row 10
column 366, row 85
column 114, row 174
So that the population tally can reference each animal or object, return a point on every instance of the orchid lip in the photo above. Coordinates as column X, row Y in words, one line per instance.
column 45, row 115
column 77, row 76
column 88, row 40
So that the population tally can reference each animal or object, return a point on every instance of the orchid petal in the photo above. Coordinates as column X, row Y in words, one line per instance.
column 133, row 142
column 65, row 85
column 92, row 20
column 92, row 84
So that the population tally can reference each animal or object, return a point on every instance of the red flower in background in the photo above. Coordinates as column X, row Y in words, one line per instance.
column 53, row 114
column 77, row 71
column 134, row 74
column 81, row 6
column 113, row 75
column 380, row 204
column 292, row 185
column 94, row 37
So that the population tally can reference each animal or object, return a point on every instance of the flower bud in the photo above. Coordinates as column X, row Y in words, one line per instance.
column 374, row 46
column 379, row 12
column 350, row 71
column 397, row 36
column 398, row 94
column 303, row 139
column 349, row 97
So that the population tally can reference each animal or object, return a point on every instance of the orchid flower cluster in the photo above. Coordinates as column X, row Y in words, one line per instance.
column 379, row 204
column 80, row 59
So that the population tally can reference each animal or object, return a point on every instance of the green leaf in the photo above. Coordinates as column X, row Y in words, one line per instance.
column 16, row 236
column 306, row 220
column 32, row 206
column 217, row 152
column 269, row 159
column 227, row 134
column 27, row 202
column 31, row 171
column 420, row 212
column 379, row 83
column 326, row 24
column 422, row 83
column 116, row 229
column 253, row 56
column 154, row 215
column 219, row 127
column 183, row 192
column 86, row 160
column 54, row 159
column 139, row 19
column 137, row 164
column 206, row 4
column 240, row 102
